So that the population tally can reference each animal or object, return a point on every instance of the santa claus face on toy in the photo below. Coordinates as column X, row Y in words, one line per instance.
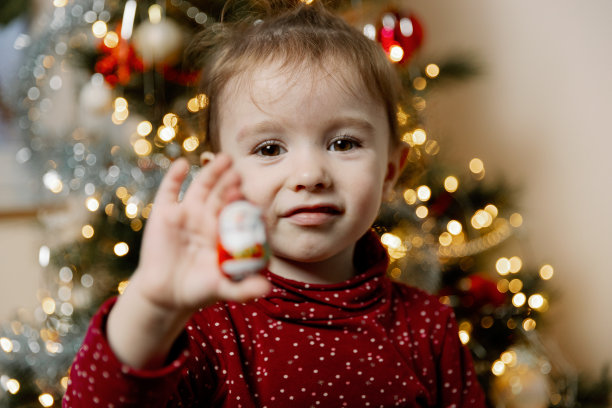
column 242, row 240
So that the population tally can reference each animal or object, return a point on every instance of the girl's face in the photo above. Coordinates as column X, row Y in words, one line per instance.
column 312, row 154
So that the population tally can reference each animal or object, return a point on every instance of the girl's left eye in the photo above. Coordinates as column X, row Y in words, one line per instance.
column 343, row 145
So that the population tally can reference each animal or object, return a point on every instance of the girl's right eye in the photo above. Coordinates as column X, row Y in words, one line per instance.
column 269, row 149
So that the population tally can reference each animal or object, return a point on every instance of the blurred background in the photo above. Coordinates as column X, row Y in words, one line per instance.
column 530, row 97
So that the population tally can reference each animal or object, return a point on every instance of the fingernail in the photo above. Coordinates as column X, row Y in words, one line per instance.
column 206, row 157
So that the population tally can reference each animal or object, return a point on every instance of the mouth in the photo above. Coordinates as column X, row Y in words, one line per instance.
column 315, row 209
column 313, row 216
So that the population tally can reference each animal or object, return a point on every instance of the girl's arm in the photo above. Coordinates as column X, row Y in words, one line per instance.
column 178, row 271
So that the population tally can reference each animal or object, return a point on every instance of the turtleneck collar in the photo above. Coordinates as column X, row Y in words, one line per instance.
column 327, row 303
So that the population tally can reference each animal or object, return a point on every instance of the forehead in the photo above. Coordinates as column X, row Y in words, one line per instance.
column 274, row 80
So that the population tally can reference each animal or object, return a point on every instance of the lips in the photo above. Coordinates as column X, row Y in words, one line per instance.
column 313, row 215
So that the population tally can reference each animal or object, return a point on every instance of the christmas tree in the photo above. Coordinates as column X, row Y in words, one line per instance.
column 107, row 104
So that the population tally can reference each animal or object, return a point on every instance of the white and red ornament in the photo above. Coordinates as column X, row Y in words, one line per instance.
column 242, row 244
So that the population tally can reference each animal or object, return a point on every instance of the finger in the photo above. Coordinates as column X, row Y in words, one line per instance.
column 171, row 183
column 203, row 214
column 206, row 157
column 207, row 178
column 226, row 190
column 249, row 288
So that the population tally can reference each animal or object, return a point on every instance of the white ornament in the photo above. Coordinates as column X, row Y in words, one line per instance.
column 158, row 43
column 96, row 96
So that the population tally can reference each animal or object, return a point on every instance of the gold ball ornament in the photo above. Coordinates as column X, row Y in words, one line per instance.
column 522, row 384
column 158, row 43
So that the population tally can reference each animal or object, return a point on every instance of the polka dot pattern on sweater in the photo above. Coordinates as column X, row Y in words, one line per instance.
column 367, row 342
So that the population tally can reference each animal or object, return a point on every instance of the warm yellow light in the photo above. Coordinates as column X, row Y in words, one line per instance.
column 6, row 344
column 419, row 83
column 423, row 193
column 143, row 147
column 46, row 400
column 121, row 192
column 167, row 133
column 451, row 184
column 121, row 248
column 390, row 240
column 92, row 204
column 546, row 272
column 481, row 219
column 421, row 211
column 515, row 264
column 193, row 105
column 12, row 386
column 155, row 14
column 396, row 53
column 464, row 336
column 397, row 253
column 48, row 305
column 202, row 100
column 111, row 39
column 419, row 136
column 170, row 120
column 122, row 286
column 519, row 299
column 410, row 196
column 432, row 70
column 119, row 116
column 99, row 29
column 502, row 285
column 146, row 211
column 515, row 285
column 498, row 367
column 120, row 104
column 87, row 231
column 529, row 324
column 491, row 209
column 536, row 301
column 509, row 357
column 516, row 220
column 136, row 224
column 131, row 210
column 64, row 382
column 395, row 273
column 445, row 239
column 476, row 166
column 503, row 266
column 486, row 322
column 60, row 3
column 454, row 227
column 144, row 128
column 191, row 143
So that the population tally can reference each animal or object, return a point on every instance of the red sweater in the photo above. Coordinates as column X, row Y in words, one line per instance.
column 366, row 342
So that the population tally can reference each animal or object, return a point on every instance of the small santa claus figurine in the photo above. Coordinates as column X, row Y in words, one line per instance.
column 242, row 240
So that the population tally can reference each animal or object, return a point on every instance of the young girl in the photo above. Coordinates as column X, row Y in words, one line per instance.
column 303, row 120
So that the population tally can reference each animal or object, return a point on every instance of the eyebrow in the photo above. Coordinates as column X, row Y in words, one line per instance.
column 261, row 127
column 275, row 127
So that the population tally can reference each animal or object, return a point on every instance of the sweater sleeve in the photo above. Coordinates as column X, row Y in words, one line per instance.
column 98, row 378
column 458, row 385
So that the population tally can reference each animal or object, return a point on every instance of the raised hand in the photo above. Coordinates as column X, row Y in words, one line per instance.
column 178, row 270
column 178, row 266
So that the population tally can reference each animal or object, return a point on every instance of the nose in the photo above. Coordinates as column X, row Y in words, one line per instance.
column 310, row 172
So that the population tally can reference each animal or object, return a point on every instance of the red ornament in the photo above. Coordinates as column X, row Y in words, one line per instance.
column 400, row 36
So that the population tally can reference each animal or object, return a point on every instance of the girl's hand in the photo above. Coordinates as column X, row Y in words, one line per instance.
column 178, row 270
column 178, row 267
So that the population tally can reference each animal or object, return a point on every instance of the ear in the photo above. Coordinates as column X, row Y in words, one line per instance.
column 397, row 160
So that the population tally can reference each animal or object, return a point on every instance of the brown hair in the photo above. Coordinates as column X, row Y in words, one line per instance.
column 293, row 33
